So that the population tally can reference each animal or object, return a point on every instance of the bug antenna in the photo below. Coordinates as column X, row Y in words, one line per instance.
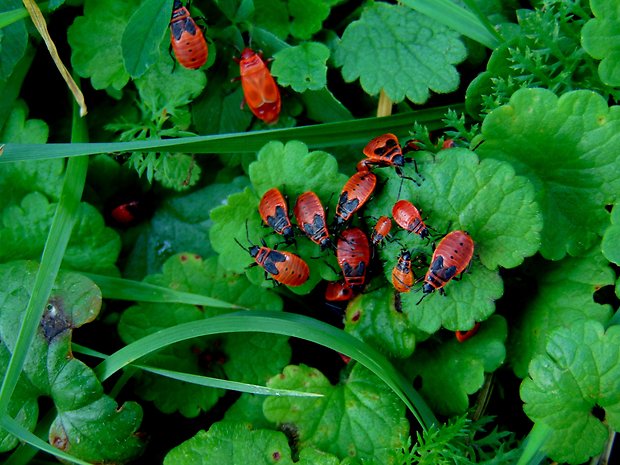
column 240, row 245
column 247, row 232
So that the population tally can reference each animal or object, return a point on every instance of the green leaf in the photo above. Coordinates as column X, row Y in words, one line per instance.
column 568, row 148
column 249, row 409
column 400, row 51
column 302, row 67
column 237, row 357
column 236, row 10
column 600, row 38
column 565, row 292
column 143, row 35
column 234, row 443
column 358, row 417
column 611, row 239
column 373, row 318
column 450, row 371
column 95, row 40
column 579, row 371
column 13, row 41
column 93, row 247
column 178, row 171
column 89, row 424
column 18, row 179
column 162, row 90
column 294, row 170
column 299, row 18
column 181, row 223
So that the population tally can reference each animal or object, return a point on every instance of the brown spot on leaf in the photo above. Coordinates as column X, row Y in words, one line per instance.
column 356, row 316
column 276, row 456
column 54, row 320
column 183, row 258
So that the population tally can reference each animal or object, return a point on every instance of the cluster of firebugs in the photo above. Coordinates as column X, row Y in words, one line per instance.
column 353, row 247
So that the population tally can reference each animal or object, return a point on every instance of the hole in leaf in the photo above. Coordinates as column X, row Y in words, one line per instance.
column 54, row 320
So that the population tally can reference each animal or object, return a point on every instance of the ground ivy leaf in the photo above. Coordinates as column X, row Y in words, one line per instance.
column 13, row 41
column 180, row 223
column 95, row 40
column 398, row 50
column 307, row 17
column 568, row 148
column 162, row 90
column 234, row 443
column 234, row 356
column 294, row 170
column 360, row 417
column 611, row 239
column 373, row 318
column 600, row 39
column 579, row 371
column 92, row 247
column 88, row 424
column 302, row 67
column 450, row 371
column 249, row 409
column 564, row 295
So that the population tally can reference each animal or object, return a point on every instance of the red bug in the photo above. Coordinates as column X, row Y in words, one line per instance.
column 462, row 336
column 381, row 230
column 408, row 217
column 338, row 291
column 280, row 266
column 451, row 257
column 310, row 217
column 259, row 88
column 353, row 254
column 274, row 212
column 355, row 194
column 385, row 150
column 402, row 274
column 125, row 213
column 186, row 38
column 448, row 144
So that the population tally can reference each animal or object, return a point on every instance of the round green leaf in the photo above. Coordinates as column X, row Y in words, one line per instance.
column 601, row 39
column 611, row 239
column 302, row 67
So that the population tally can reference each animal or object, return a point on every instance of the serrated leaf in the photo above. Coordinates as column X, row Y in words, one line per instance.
column 237, row 357
column 178, row 171
column 568, row 148
column 611, row 239
column 13, row 41
column 95, row 40
column 181, row 223
column 302, row 67
column 93, row 247
column 249, row 409
column 299, row 18
column 234, row 443
column 450, row 371
column 565, row 292
column 143, row 35
column 373, row 318
column 359, row 417
column 294, row 170
column 601, row 40
column 398, row 50
column 162, row 90
column 89, row 424
column 579, row 371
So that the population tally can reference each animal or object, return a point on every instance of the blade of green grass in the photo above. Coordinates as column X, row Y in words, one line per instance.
column 55, row 245
column 206, row 381
column 358, row 131
column 127, row 289
column 278, row 323
column 458, row 18
column 532, row 445
column 26, row 436
column 25, row 452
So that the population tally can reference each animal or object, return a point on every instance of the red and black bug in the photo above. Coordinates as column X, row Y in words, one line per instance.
column 451, row 257
column 274, row 212
column 126, row 213
column 408, row 217
column 462, row 336
column 353, row 254
column 280, row 266
column 338, row 291
column 355, row 193
column 402, row 274
column 381, row 230
column 385, row 150
column 259, row 88
column 310, row 217
column 186, row 38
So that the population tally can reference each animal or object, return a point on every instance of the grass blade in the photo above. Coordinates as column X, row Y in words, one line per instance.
column 458, row 18
column 278, row 323
column 358, row 131
column 532, row 445
column 127, row 289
